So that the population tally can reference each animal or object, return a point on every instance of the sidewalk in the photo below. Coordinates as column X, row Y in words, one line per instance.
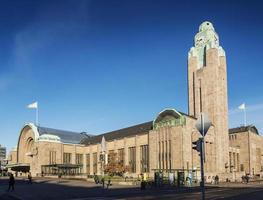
column 4, row 195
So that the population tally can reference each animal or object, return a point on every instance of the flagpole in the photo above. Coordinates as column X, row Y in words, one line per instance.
column 245, row 117
column 243, row 107
column 37, row 116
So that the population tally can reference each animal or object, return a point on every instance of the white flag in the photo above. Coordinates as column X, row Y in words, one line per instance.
column 242, row 106
column 33, row 105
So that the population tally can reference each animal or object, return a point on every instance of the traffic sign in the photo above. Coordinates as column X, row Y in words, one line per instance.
column 203, row 124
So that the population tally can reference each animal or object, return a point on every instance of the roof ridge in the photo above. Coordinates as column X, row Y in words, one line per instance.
column 124, row 132
column 126, row 127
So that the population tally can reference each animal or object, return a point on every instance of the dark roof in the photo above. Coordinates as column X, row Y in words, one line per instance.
column 244, row 129
column 125, row 132
column 65, row 136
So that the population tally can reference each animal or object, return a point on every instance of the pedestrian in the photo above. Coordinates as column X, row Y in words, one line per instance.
column 243, row 179
column 95, row 178
column 29, row 176
column 216, row 179
column 188, row 181
column 247, row 178
column 103, row 182
column 213, row 180
column 108, row 184
column 11, row 182
column 143, row 185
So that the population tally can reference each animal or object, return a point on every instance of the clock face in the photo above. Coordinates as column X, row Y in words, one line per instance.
column 200, row 41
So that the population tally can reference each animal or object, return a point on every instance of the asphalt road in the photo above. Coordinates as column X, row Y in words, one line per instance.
column 54, row 189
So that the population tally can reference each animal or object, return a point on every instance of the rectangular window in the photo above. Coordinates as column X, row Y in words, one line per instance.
column 200, row 93
column 160, row 155
column 132, row 159
column 79, row 159
column 242, row 167
column 170, row 155
column 111, row 156
column 166, row 155
column 95, row 163
column 52, row 157
column 230, row 159
column 194, row 92
column 234, row 160
column 144, row 151
column 88, row 164
column 67, row 158
column 238, row 162
column 121, row 156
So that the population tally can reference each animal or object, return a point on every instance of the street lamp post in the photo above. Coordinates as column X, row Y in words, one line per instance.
column 203, row 124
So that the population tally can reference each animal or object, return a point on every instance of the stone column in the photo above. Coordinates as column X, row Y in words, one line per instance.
column 91, row 161
column 126, row 156
column 84, row 162
column 138, row 159
column 73, row 161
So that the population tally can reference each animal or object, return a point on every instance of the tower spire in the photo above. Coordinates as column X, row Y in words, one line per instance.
column 205, row 39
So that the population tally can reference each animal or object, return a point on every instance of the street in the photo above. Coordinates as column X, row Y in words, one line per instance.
column 51, row 189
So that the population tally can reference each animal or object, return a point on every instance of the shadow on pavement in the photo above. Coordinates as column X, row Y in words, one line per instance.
column 64, row 189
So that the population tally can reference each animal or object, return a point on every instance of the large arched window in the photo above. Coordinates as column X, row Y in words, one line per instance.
column 169, row 117
column 29, row 145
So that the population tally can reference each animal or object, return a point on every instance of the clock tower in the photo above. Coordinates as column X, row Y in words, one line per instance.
column 207, row 88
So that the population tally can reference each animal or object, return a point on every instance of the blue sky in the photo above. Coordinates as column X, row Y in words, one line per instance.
column 99, row 65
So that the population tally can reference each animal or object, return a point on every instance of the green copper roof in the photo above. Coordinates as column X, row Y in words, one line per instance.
column 205, row 39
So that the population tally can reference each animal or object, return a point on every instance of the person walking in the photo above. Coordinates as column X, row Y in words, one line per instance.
column 103, row 182
column 247, row 178
column 11, row 182
column 29, row 176
column 216, row 179
column 109, row 183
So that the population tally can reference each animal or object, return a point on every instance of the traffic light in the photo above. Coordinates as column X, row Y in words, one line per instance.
column 197, row 145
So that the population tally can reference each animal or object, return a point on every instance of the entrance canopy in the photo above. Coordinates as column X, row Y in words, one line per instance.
column 19, row 167
column 64, row 166
column 63, row 169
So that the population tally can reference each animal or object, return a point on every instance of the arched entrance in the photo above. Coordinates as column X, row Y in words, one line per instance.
column 26, row 148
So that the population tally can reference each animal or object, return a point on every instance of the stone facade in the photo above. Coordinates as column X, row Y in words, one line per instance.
column 164, row 144
column 249, row 143
column 207, row 88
